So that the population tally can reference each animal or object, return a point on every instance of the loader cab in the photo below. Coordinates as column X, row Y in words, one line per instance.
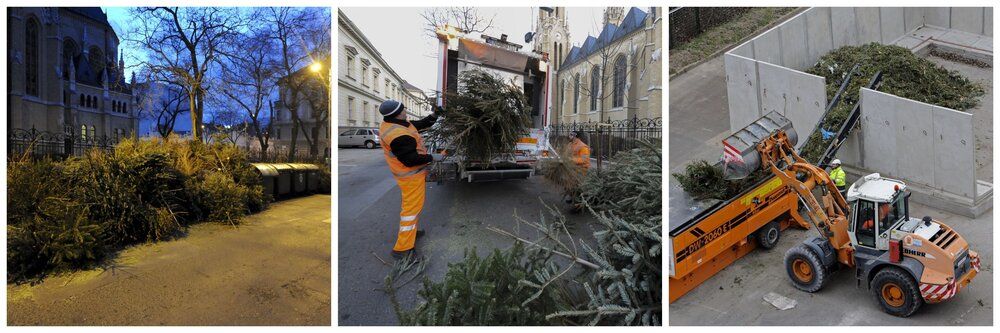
column 878, row 205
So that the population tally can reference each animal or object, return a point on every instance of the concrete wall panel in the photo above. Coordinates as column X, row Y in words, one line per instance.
column 988, row 22
column 938, row 16
column 869, row 26
column 741, row 88
column 878, row 124
column 820, row 36
column 954, row 169
column 744, row 50
column 850, row 153
column 845, row 27
column 767, row 46
column 891, row 22
column 968, row 19
column 914, row 139
column 798, row 96
column 914, row 17
column 794, row 48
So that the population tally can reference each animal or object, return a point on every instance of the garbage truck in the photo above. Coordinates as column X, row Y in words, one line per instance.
column 460, row 52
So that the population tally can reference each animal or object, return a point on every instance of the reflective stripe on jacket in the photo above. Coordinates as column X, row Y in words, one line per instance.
column 389, row 132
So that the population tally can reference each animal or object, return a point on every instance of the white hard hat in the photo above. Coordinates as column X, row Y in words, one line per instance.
column 835, row 162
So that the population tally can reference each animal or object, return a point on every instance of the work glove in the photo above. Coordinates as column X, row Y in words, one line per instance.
column 437, row 157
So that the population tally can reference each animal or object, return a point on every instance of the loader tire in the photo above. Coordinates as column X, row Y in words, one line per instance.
column 897, row 293
column 805, row 269
column 768, row 235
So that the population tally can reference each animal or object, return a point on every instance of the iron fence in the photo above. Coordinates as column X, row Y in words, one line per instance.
column 610, row 137
column 688, row 22
column 35, row 143
column 282, row 156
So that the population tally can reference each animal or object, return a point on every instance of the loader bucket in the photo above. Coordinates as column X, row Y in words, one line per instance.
column 746, row 139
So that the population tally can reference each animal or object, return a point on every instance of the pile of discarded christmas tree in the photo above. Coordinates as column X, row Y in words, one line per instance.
column 904, row 74
column 484, row 119
column 613, row 279
column 73, row 213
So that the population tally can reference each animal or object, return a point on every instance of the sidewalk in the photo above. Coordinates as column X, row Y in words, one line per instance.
column 272, row 270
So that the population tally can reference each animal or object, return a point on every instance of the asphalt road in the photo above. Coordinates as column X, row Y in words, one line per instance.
column 454, row 217
column 272, row 270
column 734, row 296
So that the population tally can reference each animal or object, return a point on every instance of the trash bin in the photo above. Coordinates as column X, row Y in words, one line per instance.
column 312, row 177
column 268, row 177
column 300, row 178
column 284, row 183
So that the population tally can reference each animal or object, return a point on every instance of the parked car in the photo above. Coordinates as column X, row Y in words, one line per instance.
column 367, row 137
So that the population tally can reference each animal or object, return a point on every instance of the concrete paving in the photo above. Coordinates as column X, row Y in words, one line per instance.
column 734, row 296
column 454, row 218
column 272, row 270
column 699, row 116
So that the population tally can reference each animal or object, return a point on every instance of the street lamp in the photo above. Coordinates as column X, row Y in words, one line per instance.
column 316, row 67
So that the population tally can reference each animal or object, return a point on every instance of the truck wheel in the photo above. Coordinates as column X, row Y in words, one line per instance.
column 768, row 235
column 896, row 291
column 370, row 144
column 805, row 269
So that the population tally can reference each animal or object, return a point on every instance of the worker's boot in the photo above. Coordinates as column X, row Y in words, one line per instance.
column 411, row 253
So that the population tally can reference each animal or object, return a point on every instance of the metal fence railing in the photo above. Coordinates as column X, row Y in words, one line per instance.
column 688, row 22
column 610, row 137
column 35, row 143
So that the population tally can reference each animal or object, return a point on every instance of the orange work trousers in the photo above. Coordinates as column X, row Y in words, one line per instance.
column 413, row 190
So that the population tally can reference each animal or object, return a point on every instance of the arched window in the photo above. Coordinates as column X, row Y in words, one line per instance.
column 82, row 101
column 96, row 59
column 576, row 93
column 595, row 86
column 69, row 52
column 618, row 98
column 83, row 132
column 93, row 132
column 31, row 43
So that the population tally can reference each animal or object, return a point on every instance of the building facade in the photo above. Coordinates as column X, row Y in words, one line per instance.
column 313, row 111
column 365, row 80
column 65, row 73
column 614, row 76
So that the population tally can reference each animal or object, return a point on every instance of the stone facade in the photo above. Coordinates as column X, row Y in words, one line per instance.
column 616, row 75
column 65, row 73
column 365, row 80
column 313, row 122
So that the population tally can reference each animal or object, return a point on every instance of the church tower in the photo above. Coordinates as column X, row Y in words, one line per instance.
column 552, row 36
column 614, row 15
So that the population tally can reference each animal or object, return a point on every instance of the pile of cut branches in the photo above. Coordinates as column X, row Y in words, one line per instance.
column 562, row 171
column 904, row 74
column 484, row 119
column 559, row 280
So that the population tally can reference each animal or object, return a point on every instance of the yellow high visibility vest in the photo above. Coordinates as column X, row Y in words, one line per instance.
column 838, row 176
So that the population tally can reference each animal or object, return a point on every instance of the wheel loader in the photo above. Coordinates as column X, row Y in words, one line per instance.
column 902, row 261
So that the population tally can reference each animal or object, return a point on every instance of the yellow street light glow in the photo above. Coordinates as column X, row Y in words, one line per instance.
column 315, row 67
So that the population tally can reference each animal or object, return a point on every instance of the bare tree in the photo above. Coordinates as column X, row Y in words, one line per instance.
column 467, row 19
column 182, row 44
column 248, row 76
column 163, row 103
column 297, row 31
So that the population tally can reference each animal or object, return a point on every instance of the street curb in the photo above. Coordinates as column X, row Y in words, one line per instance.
column 780, row 20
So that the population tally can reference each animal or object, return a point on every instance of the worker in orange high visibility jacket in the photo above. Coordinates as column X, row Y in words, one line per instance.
column 581, row 151
column 407, row 157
